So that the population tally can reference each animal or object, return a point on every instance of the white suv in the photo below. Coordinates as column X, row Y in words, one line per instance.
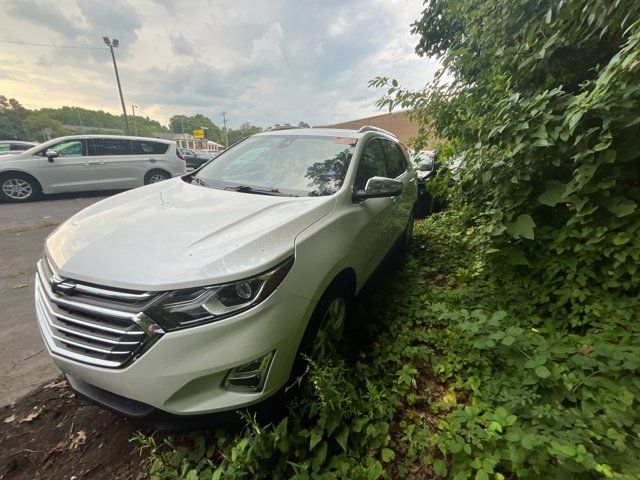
column 87, row 162
column 195, row 295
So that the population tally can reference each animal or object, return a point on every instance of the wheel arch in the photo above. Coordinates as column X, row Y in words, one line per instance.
column 21, row 172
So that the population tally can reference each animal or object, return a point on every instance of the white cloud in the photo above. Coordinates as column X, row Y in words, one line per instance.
column 263, row 62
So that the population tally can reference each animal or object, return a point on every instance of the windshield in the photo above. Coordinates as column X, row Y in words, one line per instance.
column 305, row 165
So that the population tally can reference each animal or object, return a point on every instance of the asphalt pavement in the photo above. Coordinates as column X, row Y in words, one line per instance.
column 24, row 363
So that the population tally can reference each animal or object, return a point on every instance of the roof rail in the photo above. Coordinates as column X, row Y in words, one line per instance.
column 370, row 128
column 281, row 127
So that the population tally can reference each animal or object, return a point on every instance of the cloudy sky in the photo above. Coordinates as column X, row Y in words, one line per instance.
column 263, row 62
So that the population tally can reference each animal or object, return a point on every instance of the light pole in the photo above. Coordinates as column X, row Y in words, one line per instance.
column 226, row 137
column 133, row 118
column 114, row 44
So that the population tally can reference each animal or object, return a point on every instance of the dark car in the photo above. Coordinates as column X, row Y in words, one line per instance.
column 427, row 169
column 192, row 159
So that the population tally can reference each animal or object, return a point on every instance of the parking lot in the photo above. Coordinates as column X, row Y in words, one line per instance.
column 24, row 362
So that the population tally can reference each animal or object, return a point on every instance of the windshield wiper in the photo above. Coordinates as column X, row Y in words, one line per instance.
column 199, row 181
column 259, row 191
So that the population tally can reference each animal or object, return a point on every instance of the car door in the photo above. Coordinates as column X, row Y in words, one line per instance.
column 373, row 217
column 118, row 164
column 71, row 170
column 397, row 169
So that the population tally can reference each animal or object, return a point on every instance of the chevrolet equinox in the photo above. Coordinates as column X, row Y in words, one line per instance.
column 197, row 294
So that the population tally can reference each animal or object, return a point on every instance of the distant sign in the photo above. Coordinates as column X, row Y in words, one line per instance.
column 198, row 133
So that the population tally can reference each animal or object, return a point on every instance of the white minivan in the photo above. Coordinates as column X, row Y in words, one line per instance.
column 87, row 162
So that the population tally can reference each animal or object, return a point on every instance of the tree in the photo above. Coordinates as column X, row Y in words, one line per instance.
column 186, row 124
column 12, row 115
column 35, row 124
column 245, row 130
column 303, row 125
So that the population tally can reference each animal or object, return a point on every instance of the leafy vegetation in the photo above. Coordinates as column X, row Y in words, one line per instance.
column 509, row 345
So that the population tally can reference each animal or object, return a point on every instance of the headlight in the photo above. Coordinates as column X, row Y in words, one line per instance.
column 196, row 306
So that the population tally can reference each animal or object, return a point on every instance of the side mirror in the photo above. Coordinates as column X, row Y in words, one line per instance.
column 51, row 154
column 379, row 187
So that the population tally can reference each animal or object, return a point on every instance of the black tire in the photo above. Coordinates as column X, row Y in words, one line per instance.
column 156, row 175
column 320, row 339
column 405, row 240
column 16, row 187
column 276, row 407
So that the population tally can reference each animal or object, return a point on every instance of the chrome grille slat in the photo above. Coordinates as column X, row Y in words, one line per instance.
column 91, row 337
column 88, row 347
column 76, row 326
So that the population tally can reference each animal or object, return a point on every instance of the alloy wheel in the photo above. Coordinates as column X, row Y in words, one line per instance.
column 157, row 177
column 17, row 188
column 331, row 328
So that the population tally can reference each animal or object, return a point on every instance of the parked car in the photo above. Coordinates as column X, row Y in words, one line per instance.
column 426, row 170
column 198, row 294
column 206, row 153
column 87, row 162
column 193, row 159
column 8, row 147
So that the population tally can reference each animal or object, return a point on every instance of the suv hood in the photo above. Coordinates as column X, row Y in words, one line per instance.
column 175, row 235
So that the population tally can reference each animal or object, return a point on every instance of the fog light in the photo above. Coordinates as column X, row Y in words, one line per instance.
column 250, row 377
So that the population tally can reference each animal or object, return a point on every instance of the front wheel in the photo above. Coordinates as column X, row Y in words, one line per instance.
column 407, row 236
column 18, row 188
column 326, row 325
column 155, row 176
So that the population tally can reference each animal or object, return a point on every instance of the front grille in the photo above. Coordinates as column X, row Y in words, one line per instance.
column 90, row 323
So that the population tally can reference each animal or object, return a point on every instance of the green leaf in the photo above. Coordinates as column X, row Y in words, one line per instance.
column 192, row 475
column 542, row 371
column 620, row 207
column 314, row 439
column 515, row 256
column 387, row 455
column 482, row 475
column 342, row 437
column 522, row 227
column 553, row 194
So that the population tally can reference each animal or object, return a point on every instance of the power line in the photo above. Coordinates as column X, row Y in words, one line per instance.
column 49, row 45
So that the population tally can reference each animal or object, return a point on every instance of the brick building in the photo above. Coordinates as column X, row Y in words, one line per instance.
column 397, row 123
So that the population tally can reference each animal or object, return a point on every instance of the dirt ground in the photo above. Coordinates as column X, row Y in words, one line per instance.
column 52, row 434
column 24, row 363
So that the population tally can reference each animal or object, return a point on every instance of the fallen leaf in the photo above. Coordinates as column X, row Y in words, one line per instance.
column 60, row 384
column 30, row 417
column 79, row 438
column 10, row 419
column 20, row 285
column 585, row 350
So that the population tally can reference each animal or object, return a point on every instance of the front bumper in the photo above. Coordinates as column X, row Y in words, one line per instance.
column 183, row 372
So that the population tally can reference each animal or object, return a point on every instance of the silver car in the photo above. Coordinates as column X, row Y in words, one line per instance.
column 87, row 162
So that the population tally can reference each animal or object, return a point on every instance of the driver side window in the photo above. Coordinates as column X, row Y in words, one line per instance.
column 70, row 148
column 372, row 164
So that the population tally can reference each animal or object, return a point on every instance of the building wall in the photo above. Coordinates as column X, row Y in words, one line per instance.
column 397, row 123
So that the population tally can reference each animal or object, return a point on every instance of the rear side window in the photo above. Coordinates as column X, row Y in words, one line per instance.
column 4, row 147
column 371, row 164
column 396, row 165
column 142, row 147
column 110, row 146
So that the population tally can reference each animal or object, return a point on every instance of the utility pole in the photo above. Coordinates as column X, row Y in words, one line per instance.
column 114, row 44
column 79, row 119
column 133, row 119
column 226, row 137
